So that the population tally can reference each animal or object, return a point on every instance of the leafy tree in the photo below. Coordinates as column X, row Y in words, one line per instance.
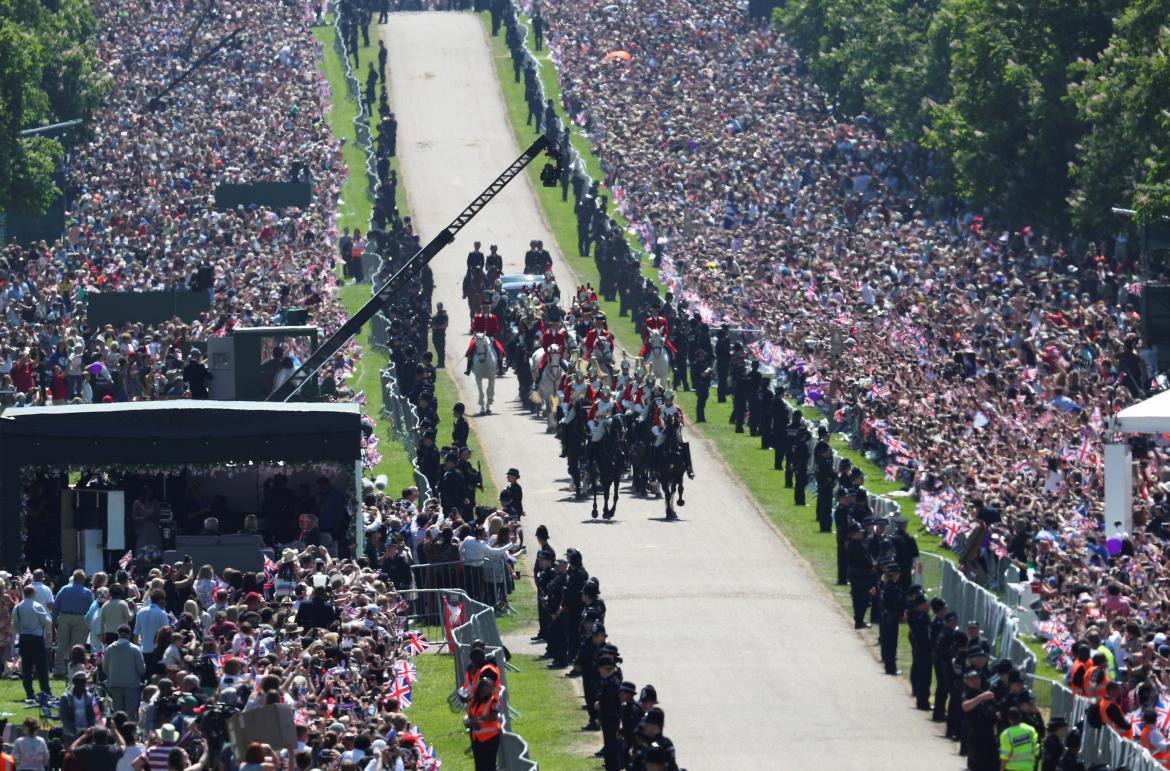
column 47, row 74
column 1123, row 98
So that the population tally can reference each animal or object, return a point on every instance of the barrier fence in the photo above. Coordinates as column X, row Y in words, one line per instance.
column 480, row 618
column 467, row 619
column 487, row 580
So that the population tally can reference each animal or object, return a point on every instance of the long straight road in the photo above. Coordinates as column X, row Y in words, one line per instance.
column 756, row 666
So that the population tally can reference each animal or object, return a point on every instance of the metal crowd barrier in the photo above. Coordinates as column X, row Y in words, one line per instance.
column 974, row 603
column 1100, row 745
column 488, row 580
column 479, row 623
column 403, row 417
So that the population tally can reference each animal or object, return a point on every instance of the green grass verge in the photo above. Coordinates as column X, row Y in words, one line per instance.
column 546, row 701
column 751, row 465
column 354, row 206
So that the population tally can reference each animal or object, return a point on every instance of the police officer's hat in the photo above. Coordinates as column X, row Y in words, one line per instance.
column 844, row 492
column 971, row 673
column 430, row 433
column 901, row 521
column 605, row 661
column 656, row 753
column 975, row 650
column 513, row 472
column 891, row 568
column 1057, row 722
column 654, row 715
column 545, row 554
column 450, row 457
column 627, row 687
column 648, row 693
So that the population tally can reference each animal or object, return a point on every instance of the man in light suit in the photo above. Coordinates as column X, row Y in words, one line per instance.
column 125, row 667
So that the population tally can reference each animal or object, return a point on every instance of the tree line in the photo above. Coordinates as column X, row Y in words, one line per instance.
column 49, row 73
column 1043, row 111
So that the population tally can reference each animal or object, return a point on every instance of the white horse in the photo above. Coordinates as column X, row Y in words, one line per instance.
column 484, row 363
column 658, row 357
column 603, row 355
column 545, row 391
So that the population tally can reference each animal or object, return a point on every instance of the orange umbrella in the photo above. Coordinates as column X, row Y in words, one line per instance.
column 615, row 55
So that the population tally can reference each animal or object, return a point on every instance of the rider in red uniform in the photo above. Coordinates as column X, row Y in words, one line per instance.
column 653, row 321
column 596, row 334
column 485, row 321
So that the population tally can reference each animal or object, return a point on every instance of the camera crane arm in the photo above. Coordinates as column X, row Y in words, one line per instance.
column 412, row 268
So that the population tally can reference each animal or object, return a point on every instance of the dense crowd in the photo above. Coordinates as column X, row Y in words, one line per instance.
column 158, row 662
column 141, row 213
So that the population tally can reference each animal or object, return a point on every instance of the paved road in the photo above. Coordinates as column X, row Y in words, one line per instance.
column 755, row 664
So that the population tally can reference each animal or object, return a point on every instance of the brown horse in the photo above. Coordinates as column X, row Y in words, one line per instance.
column 475, row 284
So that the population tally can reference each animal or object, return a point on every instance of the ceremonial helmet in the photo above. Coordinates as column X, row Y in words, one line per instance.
column 625, row 362
column 668, row 395
column 605, row 392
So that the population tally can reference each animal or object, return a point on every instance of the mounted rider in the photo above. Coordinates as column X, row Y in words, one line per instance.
column 554, row 334
column 602, row 408
column 656, row 321
column 485, row 321
column 622, row 379
column 598, row 333
column 548, row 290
column 664, row 412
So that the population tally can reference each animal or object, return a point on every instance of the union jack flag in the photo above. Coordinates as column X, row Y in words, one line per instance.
column 880, row 391
column 891, row 472
column 406, row 670
column 811, row 293
column 415, row 643
column 125, row 561
column 953, row 528
column 400, row 692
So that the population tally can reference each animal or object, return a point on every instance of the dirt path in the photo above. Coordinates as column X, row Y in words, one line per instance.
column 755, row 665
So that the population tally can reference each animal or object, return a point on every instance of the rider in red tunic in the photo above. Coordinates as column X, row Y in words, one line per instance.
column 655, row 321
column 485, row 321
column 598, row 333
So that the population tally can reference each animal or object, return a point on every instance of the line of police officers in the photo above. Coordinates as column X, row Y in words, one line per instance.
column 572, row 626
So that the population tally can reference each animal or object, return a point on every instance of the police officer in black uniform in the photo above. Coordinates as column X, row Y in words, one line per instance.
column 609, row 710
column 893, row 607
column 826, row 478
column 462, row 429
column 792, row 432
column 701, row 379
column 801, row 457
column 439, row 323
column 566, row 617
column 980, row 714
column 428, row 460
column 722, row 363
column 918, row 625
column 743, row 385
column 452, row 485
column 473, row 481
column 861, row 574
column 905, row 549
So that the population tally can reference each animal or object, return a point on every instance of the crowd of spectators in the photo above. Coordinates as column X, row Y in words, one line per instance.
column 140, row 212
column 158, row 661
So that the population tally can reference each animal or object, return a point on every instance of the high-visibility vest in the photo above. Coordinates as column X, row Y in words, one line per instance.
column 1019, row 747
column 1161, row 756
column 483, row 729
column 1103, row 709
column 1097, row 691
column 1080, row 666
column 7, row 762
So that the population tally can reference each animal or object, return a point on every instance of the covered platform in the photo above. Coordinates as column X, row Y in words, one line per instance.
column 1150, row 416
column 52, row 440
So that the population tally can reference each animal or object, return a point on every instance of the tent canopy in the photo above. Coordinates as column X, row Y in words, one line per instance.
column 164, row 433
column 1151, row 416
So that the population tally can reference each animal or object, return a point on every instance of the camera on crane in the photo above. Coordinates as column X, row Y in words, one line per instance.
column 551, row 174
